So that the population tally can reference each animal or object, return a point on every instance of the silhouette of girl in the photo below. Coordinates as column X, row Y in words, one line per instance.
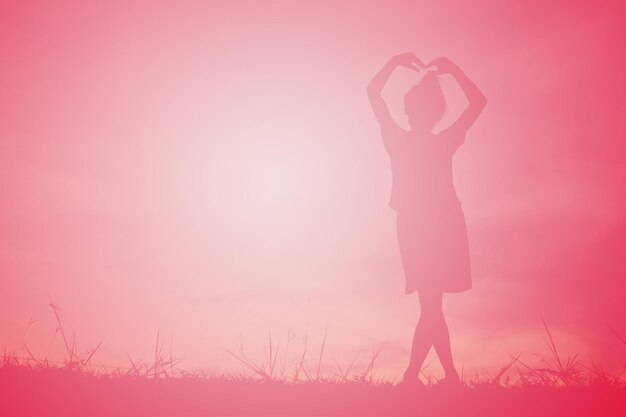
column 431, row 231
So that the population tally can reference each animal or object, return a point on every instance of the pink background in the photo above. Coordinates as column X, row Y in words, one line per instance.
column 212, row 170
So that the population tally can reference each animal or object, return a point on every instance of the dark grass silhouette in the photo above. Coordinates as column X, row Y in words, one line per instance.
column 75, row 387
column 61, row 391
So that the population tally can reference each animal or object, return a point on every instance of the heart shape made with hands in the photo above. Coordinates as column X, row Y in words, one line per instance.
column 423, row 68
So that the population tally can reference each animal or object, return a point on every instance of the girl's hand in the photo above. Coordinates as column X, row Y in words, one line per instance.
column 443, row 64
column 408, row 60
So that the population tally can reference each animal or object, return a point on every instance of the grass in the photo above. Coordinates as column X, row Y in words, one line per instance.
column 74, row 387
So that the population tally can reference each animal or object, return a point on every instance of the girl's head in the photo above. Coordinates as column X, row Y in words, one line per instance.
column 425, row 104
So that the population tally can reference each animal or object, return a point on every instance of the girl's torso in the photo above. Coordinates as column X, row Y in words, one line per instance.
column 422, row 170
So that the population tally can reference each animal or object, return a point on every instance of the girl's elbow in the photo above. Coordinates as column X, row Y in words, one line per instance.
column 372, row 90
column 481, row 101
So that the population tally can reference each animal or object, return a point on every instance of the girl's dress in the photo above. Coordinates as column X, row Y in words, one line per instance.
column 431, row 230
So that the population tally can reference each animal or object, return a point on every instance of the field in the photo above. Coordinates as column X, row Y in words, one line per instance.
column 33, row 391
column 30, row 388
column 75, row 387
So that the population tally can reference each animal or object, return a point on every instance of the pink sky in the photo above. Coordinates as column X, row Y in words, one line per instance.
column 213, row 170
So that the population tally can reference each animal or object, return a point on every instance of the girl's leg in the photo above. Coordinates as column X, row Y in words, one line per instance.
column 419, row 349
column 425, row 330
column 431, row 330
column 441, row 342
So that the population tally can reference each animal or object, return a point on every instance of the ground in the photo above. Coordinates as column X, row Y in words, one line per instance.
column 47, row 391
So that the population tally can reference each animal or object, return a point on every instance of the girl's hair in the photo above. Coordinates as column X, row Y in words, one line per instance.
column 426, row 100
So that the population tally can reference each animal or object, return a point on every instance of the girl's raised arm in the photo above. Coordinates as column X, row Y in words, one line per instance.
column 375, row 87
column 477, row 100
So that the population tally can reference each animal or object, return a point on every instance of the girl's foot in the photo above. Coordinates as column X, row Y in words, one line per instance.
column 452, row 380
column 412, row 381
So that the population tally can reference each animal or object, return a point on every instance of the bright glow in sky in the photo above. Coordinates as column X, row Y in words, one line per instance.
column 213, row 170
